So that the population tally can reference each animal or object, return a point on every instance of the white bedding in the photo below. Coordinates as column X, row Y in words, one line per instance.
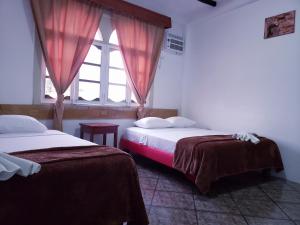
column 165, row 138
column 32, row 141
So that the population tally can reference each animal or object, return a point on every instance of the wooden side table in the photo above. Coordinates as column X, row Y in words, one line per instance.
column 99, row 128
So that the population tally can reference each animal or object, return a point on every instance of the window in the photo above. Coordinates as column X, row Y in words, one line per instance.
column 89, row 76
column 117, row 84
column 114, row 38
column 101, row 78
column 49, row 90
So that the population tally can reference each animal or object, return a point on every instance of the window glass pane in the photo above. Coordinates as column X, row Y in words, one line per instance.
column 94, row 55
column 116, row 93
column 89, row 72
column 115, row 59
column 88, row 91
column 114, row 38
column 47, row 72
column 117, row 76
column 50, row 92
column 98, row 36
column 133, row 98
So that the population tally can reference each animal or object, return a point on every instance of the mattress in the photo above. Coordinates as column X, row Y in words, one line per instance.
column 166, row 138
column 30, row 141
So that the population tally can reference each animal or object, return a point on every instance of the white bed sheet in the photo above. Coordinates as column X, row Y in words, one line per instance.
column 32, row 141
column 166, row 138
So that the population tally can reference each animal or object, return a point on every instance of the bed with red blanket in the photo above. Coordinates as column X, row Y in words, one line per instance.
column 87, row 184
column 202, row 155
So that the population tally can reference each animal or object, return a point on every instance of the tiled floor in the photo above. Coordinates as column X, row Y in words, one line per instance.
column 249, row 199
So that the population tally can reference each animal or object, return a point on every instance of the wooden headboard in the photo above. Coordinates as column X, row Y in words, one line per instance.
column 45, row 111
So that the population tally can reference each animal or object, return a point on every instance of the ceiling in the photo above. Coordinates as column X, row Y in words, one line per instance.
column 184, row 11
column 181, row 10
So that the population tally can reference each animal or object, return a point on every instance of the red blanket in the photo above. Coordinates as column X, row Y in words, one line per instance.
column 209, row 158
column 76, row 186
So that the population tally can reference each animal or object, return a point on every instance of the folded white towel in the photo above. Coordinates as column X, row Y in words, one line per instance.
column 7, row 169
column 246, row 137
column 11, row 165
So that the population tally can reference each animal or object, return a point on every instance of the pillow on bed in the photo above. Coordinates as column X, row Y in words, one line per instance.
column 20, row 124
column 152, row 122
column 178, row 121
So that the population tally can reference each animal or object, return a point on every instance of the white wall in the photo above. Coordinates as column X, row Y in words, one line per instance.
column 19, row 61
column 235, row 80
column 168, row 80
column 16, row 52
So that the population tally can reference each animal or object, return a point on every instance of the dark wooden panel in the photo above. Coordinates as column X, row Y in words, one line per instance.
column 45, row 111
column 127, row 8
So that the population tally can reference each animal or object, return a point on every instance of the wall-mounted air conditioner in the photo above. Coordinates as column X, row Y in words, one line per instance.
column 174, row 43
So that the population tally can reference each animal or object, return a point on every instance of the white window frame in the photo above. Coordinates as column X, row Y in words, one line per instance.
column 128, row 90
column 76, row 82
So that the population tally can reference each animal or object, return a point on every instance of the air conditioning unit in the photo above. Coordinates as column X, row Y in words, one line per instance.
column 174, row 43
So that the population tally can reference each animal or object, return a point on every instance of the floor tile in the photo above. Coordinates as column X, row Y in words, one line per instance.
column 173, row 199
column 291, row 209
column 284, row 196
column 296, row 186
column 208, row 218
column 172, row 184
column 169, row 216
column 148, row 183
column 148, row 207
column 147, row 196
column 147, row 172
column 277, row 184
column 249, row 193
column 218, row 204
column 266, row 209
column 264, row 221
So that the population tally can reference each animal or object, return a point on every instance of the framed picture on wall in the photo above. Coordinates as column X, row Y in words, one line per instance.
column 280, row 25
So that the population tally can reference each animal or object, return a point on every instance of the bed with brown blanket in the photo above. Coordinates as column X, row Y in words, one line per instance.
column 203, row 155
column 208, row 158
column 86, row 185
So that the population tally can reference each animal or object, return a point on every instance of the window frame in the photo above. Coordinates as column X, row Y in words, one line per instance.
column 76, row 80
column 127, row 87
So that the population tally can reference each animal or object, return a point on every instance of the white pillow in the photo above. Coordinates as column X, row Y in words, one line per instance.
column 20, row 124
column 178, row 121
column 152, row 122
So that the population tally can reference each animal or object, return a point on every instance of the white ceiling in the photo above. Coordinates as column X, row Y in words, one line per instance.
column 184, row 11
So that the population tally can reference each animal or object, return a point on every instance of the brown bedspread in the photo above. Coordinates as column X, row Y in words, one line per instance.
column 76, row 186
column 208, row 158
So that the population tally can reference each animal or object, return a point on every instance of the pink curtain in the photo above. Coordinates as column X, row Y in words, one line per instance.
column 66, row 30
column 140, row 45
